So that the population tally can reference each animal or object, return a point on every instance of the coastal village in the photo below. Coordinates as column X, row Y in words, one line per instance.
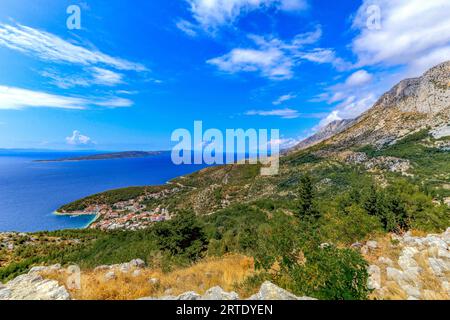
column 127, row 215
column 133, row 214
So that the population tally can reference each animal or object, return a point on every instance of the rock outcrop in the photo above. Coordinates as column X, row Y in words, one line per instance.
column 391, row 164
column 421, row 271
column 32, row 286
column 268, row 291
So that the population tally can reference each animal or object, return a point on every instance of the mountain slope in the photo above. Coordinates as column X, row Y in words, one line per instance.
column 410, row 106
column 325, row 133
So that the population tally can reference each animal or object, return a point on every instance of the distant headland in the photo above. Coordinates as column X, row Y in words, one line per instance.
column 107, row 156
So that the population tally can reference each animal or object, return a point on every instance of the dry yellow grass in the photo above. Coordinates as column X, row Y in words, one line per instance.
column 227, row 272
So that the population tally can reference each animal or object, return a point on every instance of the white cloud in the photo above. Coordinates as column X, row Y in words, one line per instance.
column 271, row 62
column 78, row 139
column 410, row 30
column 284, row 98
column 65, row 81
column 211, row 14
column 321, row 55
column 106, row 77
column 358, row 78
column 350, row 108
column 283, row 113
column 284, row 143
column 114, row 103
column 273, row 58
column 187, row 27
column 414, row 35
column 293, row 5
column 50, row 47
column 96, row 76
column 17, row 98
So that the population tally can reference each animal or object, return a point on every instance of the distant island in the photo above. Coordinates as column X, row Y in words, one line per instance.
column 107, row 156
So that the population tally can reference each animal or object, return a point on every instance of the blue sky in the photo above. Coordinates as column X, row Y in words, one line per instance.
column 136, row 71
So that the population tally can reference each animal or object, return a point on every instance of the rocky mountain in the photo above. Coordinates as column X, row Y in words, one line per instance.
column 325, row 133
column 410, row 106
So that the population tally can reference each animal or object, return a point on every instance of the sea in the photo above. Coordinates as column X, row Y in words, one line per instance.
column 31, row 191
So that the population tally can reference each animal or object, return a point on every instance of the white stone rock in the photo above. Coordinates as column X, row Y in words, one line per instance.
column 137, row 263
column 110, row 275
column 374, row 281
column 394, row 274
column 372, row 245
column 443, row 254
column 125, row 267
column 446, row 286
column 137, row 273
column 386, row 261
column 188, row 296
column 269, row 291
column 438, row 266
column 365, row 250
column 33, row 287
column 217, row 293
column 411, row 291
column 37, row 270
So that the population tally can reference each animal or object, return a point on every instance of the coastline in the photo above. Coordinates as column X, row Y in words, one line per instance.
column 96, row 216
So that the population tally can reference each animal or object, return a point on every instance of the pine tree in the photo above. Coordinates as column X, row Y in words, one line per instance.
column 306, row 206
column 371, row 201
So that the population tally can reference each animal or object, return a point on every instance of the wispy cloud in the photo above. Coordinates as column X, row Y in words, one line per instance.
column 89, row 77
column 284, row 98
column 187, row 27
column 106, row 77
column 274, row 58
column 212, row 14
column 48, row 46
column 18, row 98
column 282, row 113
column 350, row 98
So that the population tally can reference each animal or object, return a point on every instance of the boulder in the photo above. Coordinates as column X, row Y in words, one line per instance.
column 438, row 266
column 102, row 268
column 386, row 261
column 372, row 245
column 188, row 296
column 374, row 281
column 411, row 291
column 269, row 291
column 394, row 274
column 137, row 263
column 110, row 275
column 217, row 293
column 33, row 287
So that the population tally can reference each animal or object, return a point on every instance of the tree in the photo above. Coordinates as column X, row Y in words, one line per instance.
column 371, row 201
column 183, row 235
column 306, row 207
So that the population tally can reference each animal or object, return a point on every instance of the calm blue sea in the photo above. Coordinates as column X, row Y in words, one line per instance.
column 31, row 191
